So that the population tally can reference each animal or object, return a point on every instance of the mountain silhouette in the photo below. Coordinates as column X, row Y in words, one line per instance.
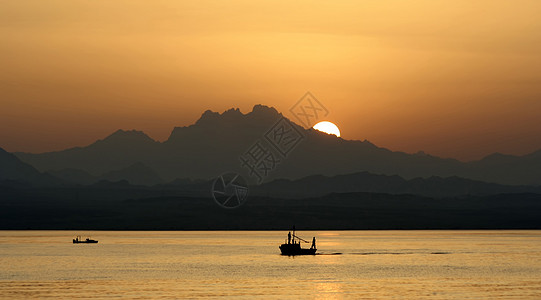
column 508, row 169
column 13, row 172
column 119, row 150
column 136, row 174
column 203, row 150
column 437, row 187
column 215, row 142
column 13, row 168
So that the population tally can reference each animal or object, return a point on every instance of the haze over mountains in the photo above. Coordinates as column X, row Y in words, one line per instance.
column 214, row 143
column 33, row 200
column 130, row 181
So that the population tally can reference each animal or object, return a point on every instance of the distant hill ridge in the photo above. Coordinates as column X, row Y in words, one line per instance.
column 12, row 169
column 438, row 187
column 213, row 144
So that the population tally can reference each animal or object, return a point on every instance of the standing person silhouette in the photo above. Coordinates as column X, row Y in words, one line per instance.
column 313, row 243
column 289, row 238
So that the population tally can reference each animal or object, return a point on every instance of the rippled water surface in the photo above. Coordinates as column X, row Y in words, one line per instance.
column 247, row 264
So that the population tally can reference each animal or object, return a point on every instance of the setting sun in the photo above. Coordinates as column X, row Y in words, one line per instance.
column 327, row 127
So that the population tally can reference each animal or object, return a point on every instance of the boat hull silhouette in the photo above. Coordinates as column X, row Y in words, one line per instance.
column 78, row 240
column 295, row 249
column 85, row 242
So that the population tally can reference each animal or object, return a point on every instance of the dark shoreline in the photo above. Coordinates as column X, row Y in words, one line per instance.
column 71, row 209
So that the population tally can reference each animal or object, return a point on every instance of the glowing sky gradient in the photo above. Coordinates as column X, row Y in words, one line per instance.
column 454, row 78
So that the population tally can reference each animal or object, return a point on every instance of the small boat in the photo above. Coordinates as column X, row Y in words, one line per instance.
column 79, row 240
column 292, row 246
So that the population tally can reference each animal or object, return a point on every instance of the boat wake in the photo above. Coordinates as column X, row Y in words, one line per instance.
column 395, row 253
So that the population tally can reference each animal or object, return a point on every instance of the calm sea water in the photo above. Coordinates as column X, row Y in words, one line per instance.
column 247, row 264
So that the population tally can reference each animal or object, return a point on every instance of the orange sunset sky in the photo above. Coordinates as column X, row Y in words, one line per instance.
column 457, row 78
